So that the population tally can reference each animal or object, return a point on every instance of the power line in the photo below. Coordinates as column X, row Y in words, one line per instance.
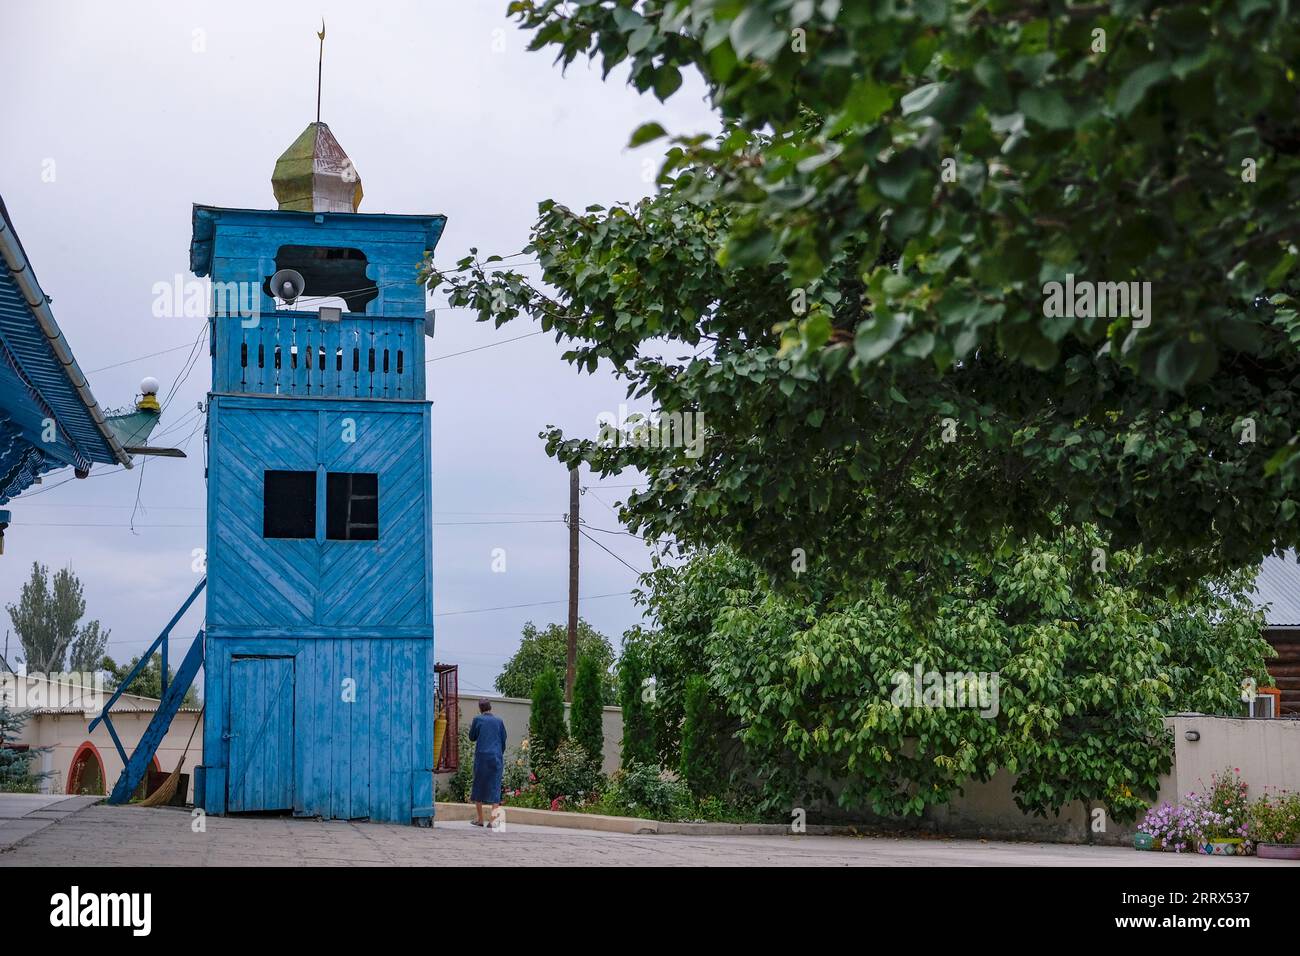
column 476, row 610
column 530, row 514
column 177, row 348
column 187, row 368
column 628, row 533
column 637, row 571
column 138, row 358
column 439, row 358
column 93, row 474
column 511, row 607
column 92, row 524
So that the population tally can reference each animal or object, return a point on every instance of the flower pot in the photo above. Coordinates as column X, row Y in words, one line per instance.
column 1222, row 846
column 1278, row 851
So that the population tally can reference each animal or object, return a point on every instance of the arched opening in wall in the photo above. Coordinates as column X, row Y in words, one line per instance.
column 86, row 773
column 142, row 789
column 332, row 276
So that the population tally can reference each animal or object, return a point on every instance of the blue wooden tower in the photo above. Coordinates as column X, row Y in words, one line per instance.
column 319, row 664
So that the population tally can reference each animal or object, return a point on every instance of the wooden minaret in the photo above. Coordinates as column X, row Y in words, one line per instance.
column 319, row 664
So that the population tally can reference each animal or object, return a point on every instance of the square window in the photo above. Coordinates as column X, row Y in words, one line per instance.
column 289, row 504
column 352, row 506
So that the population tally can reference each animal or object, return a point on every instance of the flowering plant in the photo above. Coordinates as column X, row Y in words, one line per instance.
column 1220, row 812
column 1174, row 827
column 1228, row 806
column 1276, row 819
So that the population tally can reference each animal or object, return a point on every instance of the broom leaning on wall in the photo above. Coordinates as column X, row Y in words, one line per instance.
column 167, row 790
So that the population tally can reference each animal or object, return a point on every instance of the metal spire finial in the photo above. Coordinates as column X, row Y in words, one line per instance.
column 320, row 66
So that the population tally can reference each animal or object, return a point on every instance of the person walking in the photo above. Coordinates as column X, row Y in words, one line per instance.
column 488, row 731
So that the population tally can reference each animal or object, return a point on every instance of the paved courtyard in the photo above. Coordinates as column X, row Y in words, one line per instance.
column 101, row 835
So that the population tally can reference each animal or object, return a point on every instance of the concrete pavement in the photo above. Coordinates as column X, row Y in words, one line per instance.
column 24, row 814
column 101, row 835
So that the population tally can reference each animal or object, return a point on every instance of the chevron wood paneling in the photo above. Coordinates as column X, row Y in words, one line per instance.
column 279, row 583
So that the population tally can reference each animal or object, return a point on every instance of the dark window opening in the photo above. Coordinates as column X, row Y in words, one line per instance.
column 356, row 360
column 322, row 358
column 385, row 361
column 338, row 356
column 399, row 361
column 289, row 504
column 243, row 355
column 352, row 506
column 277, row 358
column 372, row 361
column 327, row 272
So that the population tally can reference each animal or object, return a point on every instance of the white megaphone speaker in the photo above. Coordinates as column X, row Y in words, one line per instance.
column 287, row 284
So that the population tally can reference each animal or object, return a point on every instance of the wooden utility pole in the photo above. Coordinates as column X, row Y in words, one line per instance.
column 572, row 661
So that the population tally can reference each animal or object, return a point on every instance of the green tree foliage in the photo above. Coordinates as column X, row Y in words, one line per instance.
column 148, row 683
column 701, row 763
column 586, row 716
column 549, row 647
column 46, row 619
column 16, row 774
column 867, row 337
column 546, row 718
column 1088, row 663
column 88, row 650
column 633, row 693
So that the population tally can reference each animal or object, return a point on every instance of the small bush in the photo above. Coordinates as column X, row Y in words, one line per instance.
column 517, row 773
column 531, row 797
column 642, row 791
column 457, row 787
column 570, row 773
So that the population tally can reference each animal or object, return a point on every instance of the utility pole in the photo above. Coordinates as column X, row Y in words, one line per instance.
column 572, row 661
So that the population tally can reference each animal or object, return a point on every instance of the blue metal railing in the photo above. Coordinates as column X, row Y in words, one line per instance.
column 161, row 641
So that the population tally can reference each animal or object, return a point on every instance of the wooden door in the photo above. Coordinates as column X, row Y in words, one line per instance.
column 260, row 723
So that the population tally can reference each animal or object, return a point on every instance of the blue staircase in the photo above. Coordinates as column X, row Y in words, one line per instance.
column 135, row 765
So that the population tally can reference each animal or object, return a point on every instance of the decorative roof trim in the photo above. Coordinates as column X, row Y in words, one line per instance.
column 38, row 303
column 203, row 220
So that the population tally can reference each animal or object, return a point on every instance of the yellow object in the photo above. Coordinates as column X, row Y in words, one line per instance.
column 148, row 403
column 439, row 732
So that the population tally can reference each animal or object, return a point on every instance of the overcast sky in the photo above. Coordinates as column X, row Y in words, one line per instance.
column 139, row 110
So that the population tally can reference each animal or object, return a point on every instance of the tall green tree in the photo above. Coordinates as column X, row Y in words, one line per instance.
column 701, row 762
column 857, row 267
column 548, row 646
column 586, row 724
column 1088, row 660
column 635, row 698
column 148, row 683
column 47, row 620
column 546, row 718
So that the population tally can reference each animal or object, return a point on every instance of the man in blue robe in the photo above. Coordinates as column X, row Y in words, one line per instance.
column 488, row 731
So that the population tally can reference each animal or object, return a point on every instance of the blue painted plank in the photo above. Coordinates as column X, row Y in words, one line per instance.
column 383, row 730
column 261, row 746
column 142, row 758
column 340, row 731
